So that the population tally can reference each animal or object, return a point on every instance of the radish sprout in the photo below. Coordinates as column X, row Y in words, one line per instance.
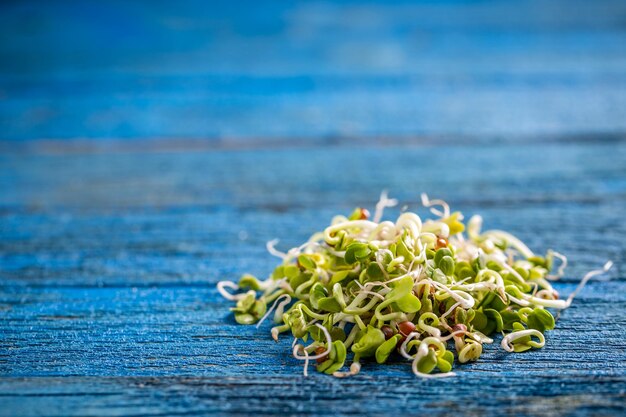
column 363, row 288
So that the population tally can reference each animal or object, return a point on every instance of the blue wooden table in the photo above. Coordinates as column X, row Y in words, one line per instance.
column 149, row 150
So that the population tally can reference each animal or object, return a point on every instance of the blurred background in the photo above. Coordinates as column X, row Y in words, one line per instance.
column 236, row 72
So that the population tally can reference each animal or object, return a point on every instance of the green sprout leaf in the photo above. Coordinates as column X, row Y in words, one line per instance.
column 427, row 363
column 541, row 320
column 408, row 303
column 336, row 358
column 329, row 304
column 249, row 281
column 248, row 309
column 446, row 265
column 296, row 321
column 369, row 342
column 383, row 351
column 317, row 293
column 307, row 262
column 357, row 252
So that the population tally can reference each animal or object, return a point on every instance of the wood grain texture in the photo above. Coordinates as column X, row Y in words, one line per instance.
column 310, row 69
column 150, row 149
column 109, row 262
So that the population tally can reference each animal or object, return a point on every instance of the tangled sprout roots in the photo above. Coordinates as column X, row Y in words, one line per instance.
column 413, row 288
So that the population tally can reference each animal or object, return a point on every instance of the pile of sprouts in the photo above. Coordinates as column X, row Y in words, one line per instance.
column 418, row 289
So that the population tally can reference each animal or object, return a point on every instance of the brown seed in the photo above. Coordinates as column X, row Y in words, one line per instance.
column 406, row 327
column 458, row 327
column 442, row 242
column 318, row 351
column 442, row 308
column 365, row 214
column 419, row 293
column 387, row 331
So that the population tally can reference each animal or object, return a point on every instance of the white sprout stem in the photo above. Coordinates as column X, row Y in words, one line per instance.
column 511, row 240
column 404, row 344
column 506, row 266
column 559, row 304
column 355, row 368
column 383, row 203
column 384, row 284
column 270, row 245
column 359, row 224
column 354, row 312
column 307, row 357
column 466, row 300
column 287, row 300
column 306, row 363
column 507, row 341
column 546, row 293
column 356, row 301
column 425, row 239
column 395, row 262
column 385, row 230
column 540, row 283
column 517, row 301
column 480, row 286
column 495, row 276
column 332, row 251
column 455, row 333
column 351, row 336
column 450, row 310
column 269, row 285
column 422, row 351
column 372, row 293
column 561, row 270
column 437, row 228
column 298, row 347
column 474, row 225
column 276, row 330
column 586, row 278
column 284, row 284
column 563, row 304
column 410, row 221
column 426, row 202
column 221, row 288
column 295, row 252
column 432, row 330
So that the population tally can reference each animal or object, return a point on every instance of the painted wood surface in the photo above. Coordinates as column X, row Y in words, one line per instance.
column 109, row 262
column 150, row 149
column 305, row 70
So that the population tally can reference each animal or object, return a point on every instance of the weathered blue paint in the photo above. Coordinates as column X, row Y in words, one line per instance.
column 110, row 246
column 109, row 261
column 308, row 70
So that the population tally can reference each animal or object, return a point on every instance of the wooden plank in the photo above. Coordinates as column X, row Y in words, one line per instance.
column 109, row 262
column 310, row 69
